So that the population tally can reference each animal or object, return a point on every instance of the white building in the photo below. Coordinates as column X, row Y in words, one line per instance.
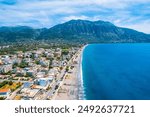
column 5, row 68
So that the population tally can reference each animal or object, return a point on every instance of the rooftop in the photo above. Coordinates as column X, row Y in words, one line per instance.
column 4, row 90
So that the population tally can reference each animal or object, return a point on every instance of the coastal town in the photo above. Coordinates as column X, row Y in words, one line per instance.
column 41, row 74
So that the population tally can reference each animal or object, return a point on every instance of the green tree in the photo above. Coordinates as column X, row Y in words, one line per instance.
column 23, row 64
column 67, row 68
column 10, row 83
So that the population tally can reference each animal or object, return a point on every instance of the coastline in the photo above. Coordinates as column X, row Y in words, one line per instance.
column 81, row 92
column 72, row 88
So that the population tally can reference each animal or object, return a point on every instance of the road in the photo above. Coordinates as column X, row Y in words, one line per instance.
column 13, row 95
column 1, row 80
column 53, row 92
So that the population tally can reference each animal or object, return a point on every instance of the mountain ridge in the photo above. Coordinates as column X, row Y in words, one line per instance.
column 82, row 31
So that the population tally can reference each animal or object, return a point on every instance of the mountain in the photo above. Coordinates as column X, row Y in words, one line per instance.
column 17, row 34
column 82, row 31
column 98, row 31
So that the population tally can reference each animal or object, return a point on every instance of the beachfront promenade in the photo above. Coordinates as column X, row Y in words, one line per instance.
column 68, row 89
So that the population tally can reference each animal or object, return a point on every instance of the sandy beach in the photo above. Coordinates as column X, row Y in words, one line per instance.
column 70, row 87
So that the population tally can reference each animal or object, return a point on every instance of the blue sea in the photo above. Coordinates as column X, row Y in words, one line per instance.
column 116, row 71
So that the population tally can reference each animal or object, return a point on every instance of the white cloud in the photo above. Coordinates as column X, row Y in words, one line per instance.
column 74, row 17
column 142, row 26
column 47, row 13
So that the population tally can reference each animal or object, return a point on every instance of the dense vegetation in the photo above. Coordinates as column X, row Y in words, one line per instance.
column 5, row 82
column 13, row 48
column 10, row 85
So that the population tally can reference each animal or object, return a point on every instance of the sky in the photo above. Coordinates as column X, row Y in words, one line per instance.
column 133, row 14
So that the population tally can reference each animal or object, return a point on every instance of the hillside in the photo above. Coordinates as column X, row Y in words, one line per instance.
column 82, row 31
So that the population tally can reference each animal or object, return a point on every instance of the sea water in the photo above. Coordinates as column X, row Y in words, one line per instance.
column 116, row 71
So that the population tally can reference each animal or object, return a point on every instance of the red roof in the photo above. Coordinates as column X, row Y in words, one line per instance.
column 4, row 90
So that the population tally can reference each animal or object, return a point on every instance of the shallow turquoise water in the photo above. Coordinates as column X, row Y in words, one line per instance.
column 116, row 71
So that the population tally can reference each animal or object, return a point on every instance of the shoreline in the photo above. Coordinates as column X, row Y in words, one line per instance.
column 81, row 87
column 72, row 87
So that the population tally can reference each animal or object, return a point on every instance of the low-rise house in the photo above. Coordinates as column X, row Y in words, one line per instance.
column 31, row 73
column 4, row 93
column 40, row 74
column 16, row 61
column 5, row 68
column 43, row 83
column 44, row 63
column 53, row 72
column 55, row 63
column 26, row 68
column 27, row 60
column 27, row 55
column 6, row 60
column 28, row 92
column 27, row 84
column 35, row 55
column 49, row 55
column 19, row 54
column 21, row 73
column 1, row 62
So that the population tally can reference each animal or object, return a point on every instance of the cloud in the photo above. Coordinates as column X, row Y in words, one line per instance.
column 142, row 26
column 47, row 13
column 74, row 17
